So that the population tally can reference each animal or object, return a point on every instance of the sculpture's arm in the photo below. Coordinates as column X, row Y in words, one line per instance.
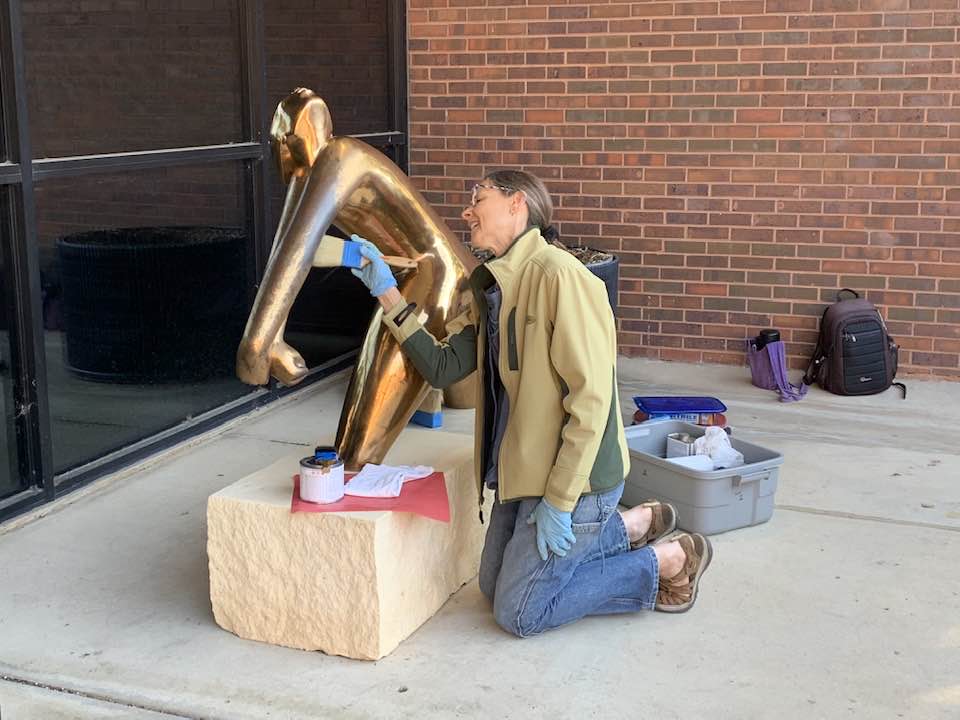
column 291, row 202
column 441, row 363
column 308, row 212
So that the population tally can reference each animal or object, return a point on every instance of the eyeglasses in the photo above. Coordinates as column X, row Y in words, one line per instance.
column 478, row 186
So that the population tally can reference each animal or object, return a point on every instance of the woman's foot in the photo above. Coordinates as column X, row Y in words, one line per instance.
column 682, row 562
column 649, row 522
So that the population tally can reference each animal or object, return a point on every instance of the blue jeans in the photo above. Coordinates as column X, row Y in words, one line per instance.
column 600, row 575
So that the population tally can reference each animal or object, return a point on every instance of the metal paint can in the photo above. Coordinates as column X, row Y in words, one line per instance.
column 321, row 476
column 680, row 445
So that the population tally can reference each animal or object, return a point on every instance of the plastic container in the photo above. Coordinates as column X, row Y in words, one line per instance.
column 696, row 409
column 680, row 445
column 718, row 419
column 671, row 404
column 707, row 501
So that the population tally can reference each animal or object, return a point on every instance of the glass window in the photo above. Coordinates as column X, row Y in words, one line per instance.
column 10, row 481
column 4, row 157
column 330, row 315
column 338, row 50
column 147, row 283
column 112, row 77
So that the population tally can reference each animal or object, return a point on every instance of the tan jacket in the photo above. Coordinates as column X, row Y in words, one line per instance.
column 564, row 435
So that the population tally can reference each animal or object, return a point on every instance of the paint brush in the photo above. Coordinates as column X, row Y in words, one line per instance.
column 336, row 252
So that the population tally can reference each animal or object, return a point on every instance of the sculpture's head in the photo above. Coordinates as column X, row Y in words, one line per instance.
column 300, row 129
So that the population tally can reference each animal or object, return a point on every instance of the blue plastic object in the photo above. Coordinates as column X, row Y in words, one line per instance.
column 675, row 404
column 375, row 274
column 427, row 419
column 352, row 257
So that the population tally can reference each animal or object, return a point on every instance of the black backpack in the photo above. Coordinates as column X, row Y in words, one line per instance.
column 855, row 354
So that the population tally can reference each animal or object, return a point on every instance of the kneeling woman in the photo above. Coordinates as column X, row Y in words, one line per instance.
column 550, row 439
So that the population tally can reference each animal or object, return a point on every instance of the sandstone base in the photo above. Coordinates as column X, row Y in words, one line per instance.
column 352, row 584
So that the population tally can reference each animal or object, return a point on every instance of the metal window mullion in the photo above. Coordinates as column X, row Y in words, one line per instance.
column 72, row 166
column 31, row 402
column 9, row 172
column 254, row 105
column 397, row 76
column 76, row 165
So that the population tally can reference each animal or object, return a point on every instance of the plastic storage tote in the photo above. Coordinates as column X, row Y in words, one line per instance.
column 707, row 502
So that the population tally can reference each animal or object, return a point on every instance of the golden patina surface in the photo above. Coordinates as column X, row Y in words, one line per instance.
column 344, row 182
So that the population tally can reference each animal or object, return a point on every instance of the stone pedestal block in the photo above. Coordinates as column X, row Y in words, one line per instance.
column 353, row 584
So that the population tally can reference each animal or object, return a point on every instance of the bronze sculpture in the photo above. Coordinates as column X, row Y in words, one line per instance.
column 347, row 183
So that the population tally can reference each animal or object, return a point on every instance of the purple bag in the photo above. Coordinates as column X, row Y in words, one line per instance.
column 768, row 369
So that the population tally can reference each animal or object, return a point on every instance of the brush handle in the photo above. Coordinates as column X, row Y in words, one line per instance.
column 336, row 252
column 397, row 261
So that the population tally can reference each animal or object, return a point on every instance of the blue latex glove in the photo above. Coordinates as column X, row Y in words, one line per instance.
column 554, row 529
column 375, row 274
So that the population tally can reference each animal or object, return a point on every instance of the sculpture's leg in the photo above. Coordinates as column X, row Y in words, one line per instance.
column 462, row 394
column 384, row 392
column 386, row 389
column 432, row 404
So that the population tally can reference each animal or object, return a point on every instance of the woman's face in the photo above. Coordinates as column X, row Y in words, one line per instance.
column 493, row 216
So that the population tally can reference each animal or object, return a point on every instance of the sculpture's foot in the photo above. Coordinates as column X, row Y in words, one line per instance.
column 286, row 364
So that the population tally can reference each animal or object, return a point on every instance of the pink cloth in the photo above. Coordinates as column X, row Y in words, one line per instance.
column 426, row 496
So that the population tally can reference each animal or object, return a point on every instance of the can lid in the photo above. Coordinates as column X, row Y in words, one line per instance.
column 325, row 455
column 769, row 335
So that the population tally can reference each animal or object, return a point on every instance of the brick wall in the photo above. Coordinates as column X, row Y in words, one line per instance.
column 744, row 158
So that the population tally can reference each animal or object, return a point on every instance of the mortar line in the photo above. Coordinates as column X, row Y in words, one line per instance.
column 96, row 696
column 871, row 518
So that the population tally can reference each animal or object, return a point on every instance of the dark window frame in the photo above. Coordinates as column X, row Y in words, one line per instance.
column 19, row 171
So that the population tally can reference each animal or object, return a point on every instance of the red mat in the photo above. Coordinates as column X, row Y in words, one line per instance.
column 426, row 496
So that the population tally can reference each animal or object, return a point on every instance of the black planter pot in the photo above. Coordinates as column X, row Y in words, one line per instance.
column 153, row 304
column 606, row 270
column 609, row 272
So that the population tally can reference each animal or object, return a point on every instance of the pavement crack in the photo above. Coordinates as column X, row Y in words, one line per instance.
column 98, row 697
column 868, row 518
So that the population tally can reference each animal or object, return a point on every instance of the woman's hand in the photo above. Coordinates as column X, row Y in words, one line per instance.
column 554, row 529
column 375, row 274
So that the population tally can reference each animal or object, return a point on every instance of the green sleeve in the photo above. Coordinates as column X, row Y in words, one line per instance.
column 442, row 363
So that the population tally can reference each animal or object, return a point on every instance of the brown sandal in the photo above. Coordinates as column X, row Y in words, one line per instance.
column 662, row 523
column 677, row 594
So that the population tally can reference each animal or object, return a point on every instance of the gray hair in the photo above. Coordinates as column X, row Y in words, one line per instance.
column 538, row 197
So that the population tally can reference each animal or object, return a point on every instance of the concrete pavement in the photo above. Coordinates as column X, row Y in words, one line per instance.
column 846, row 604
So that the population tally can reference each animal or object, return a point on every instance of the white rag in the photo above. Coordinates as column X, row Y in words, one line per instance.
column 384, row 480
column 715, row 443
